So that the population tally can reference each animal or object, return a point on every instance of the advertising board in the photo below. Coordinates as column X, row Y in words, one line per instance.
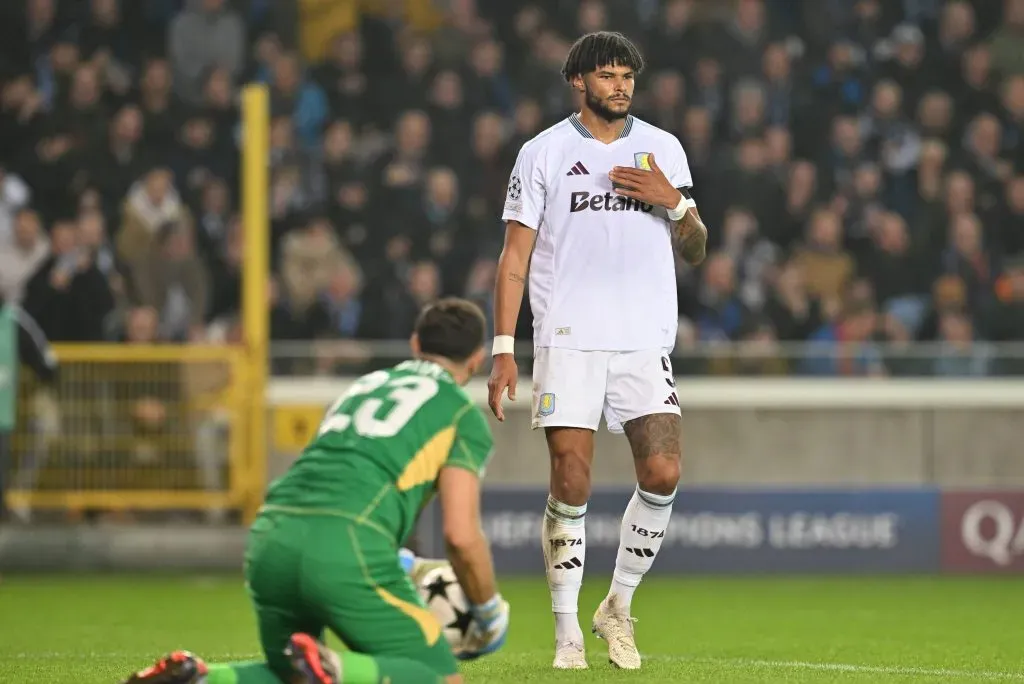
column 740, row 531
column 983, row 531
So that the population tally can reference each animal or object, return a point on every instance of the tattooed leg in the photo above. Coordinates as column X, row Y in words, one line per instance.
column 656, row 443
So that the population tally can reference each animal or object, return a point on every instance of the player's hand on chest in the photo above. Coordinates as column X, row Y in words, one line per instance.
column 619, row 181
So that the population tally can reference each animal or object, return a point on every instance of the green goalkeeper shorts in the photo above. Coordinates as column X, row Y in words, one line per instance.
column 306, row 573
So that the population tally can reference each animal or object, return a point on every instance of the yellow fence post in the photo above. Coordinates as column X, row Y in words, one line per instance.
column 255, row 277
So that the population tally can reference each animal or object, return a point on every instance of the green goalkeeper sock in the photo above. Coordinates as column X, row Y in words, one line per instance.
column 241, row 673
column 359, row 668
column 356, row 668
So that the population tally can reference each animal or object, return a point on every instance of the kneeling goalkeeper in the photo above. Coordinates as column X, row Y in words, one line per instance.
column 324, row 551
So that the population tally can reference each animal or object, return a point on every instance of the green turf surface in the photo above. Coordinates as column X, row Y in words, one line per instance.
column 93, row 630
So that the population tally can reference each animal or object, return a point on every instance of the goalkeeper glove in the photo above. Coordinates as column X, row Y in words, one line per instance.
column 407, row 559
column 488, row 630
column 416, row 567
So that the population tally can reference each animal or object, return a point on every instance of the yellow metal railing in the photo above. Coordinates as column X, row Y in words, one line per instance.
column 165, row 426
column 130, row 427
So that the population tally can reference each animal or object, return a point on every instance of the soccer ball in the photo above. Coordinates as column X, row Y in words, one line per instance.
column 444, row 598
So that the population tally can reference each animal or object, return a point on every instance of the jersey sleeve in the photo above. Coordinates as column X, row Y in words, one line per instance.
column 678, row 170
column 524, row 200
column 473, row 444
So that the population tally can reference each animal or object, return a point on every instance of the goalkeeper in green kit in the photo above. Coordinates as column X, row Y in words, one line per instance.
column 324, row 551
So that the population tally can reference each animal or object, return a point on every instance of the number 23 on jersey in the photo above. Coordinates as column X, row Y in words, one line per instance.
column 407, row 395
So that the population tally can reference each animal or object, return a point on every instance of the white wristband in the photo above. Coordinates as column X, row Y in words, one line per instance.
column 685, row 203
column 503, row 344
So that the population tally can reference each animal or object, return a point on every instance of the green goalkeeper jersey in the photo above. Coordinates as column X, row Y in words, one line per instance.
column 381, row 446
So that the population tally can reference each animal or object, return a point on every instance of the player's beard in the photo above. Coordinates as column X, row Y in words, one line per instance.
column 600, row 107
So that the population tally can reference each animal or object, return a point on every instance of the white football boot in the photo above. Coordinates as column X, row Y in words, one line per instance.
column 569, row 655
column 613, row 624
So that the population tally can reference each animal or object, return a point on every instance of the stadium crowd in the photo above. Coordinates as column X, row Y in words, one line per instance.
column 860, row 164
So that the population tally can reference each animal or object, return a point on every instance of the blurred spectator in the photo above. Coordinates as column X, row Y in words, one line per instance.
column 220, row 106
column 849, row 340
column 698, row 138
column 949, row 296
column 223, row 259
column 826, row 266
column 744, row 38
column 343, row 80
column 14, row 196
column 665, row 99
column 721, row 311
column 793, row 313
column 295, row 95
column 935, row 115
column 407, row 89
column 95, row 242
column 906, row 64
column 966, row 257
column 199, row 159
column 783, row 94
column 863, row 205
column 757, row 353
column 68, row 294
column 488, row 84
column 1006, row 43
column 480, row 285
column 960, row 357
column 206, row 35
column 122, row 158
column 148, row 407
column 976, row 95
column 311, row 259
column 894, row 270
column 161, row 111
column 110, row 43
column 957, row 28
column 675, row 41
column 152, row 203
column 172, row 280
column 22, row 255
column 889, row 131
column 1007, row 316
column 752, row 255
column 1009, row 234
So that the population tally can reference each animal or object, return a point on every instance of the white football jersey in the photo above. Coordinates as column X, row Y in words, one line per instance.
column 602, row 276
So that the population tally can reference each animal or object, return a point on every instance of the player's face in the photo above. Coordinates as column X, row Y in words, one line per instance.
column 609, row 91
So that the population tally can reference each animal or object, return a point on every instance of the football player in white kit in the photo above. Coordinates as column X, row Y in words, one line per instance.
column 595, row 206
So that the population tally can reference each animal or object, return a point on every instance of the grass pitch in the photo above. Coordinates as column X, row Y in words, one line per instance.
column 94, row 630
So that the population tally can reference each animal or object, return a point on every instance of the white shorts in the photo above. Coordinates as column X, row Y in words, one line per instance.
column 572, row 388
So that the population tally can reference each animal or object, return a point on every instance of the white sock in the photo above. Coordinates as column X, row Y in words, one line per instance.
column 642, row 532
column 564, row 540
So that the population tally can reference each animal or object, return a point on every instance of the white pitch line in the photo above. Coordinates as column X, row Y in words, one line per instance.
column 895, row 671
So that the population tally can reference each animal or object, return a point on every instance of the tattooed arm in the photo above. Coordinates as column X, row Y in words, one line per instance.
column 690, row 237
column 510, row 282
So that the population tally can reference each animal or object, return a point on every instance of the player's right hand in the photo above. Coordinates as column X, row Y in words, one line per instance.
column 504, row 374
column 487, row 632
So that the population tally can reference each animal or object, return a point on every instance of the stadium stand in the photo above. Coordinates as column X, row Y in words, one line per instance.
column 860, row 163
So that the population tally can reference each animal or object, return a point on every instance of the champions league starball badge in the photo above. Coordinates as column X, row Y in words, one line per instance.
column 515, row 188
